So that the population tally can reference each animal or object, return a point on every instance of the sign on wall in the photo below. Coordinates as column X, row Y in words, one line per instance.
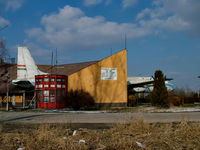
column 108, row 73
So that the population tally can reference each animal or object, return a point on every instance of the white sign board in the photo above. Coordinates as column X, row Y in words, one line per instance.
column 108, row 73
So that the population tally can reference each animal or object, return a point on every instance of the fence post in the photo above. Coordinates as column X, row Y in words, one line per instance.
column 24, row 99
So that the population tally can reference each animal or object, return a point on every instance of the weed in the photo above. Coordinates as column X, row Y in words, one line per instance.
column 135, row 135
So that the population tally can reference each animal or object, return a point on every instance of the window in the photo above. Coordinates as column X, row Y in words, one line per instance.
column 46, row 92
column 52, row 79
column 52, row 85
column 52, row 99
column 52, row 93
column 60, row 100
column 58, row 80
column 63, row 93
column 46, row 79
column 46, row 85
column 59, row 93
column 58, row 85
column 46, row 99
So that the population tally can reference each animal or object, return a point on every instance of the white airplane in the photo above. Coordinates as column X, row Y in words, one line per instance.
column 145, row 84
column 26, row 69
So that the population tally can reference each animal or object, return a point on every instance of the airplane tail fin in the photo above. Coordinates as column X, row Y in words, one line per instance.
column 26, row 67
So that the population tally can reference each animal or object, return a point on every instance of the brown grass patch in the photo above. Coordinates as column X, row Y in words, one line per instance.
column 136, row 135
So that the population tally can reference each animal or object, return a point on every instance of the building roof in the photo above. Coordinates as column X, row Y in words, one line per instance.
column 65, row 69
column 11, row 71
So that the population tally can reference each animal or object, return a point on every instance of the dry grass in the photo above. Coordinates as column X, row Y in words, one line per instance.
column 136, row 135
column 1, row 127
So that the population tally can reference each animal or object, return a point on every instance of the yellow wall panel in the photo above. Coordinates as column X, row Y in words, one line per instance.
column 103, row 91
column 18, row 99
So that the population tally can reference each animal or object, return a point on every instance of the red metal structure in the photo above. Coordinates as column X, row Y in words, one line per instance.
column 51, row 91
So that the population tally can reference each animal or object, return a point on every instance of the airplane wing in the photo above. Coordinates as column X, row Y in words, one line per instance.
column 23, row 83
column 143, row 84
column 140, row 84
column 168, row 79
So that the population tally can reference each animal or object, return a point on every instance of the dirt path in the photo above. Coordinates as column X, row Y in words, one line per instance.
column 93, row 117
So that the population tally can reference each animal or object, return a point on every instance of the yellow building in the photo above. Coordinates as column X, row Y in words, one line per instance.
column 105, row 80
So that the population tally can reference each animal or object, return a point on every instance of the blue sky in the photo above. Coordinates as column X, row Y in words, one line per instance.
column 161, row 34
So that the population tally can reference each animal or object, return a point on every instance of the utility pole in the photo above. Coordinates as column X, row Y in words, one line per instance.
column 125, row 42
column 7, row 93
column 199, row 89
column 24, row 99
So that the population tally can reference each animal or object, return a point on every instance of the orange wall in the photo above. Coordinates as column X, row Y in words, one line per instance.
column 103, row 91
column 18, row 99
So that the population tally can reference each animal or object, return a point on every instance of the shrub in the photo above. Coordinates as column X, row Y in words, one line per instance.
column 132, row 100
column 191, row 100
column 79, row 99
column 1, row 127
column 159, row 95
column 187, row 95
column 175, row 100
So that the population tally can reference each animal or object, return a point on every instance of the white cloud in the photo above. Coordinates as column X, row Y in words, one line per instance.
column 107, row 2
column 3, row 22
column 173, row 23
column 70, row 28
column 151, row 13
column 96, row 2
column 173, row 15
column 92, row 2
column 125, row 3
column 128, row 3
column 12, row 4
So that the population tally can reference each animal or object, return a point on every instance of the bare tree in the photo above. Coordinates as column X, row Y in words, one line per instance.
column 3, row 51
